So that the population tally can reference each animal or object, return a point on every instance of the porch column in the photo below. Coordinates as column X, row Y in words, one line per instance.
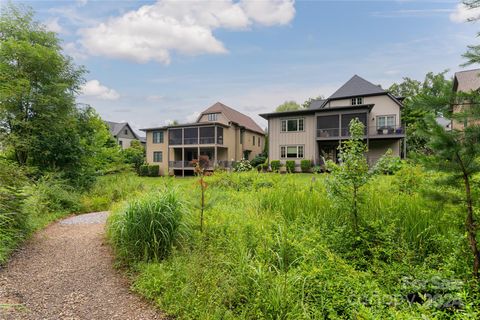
column 340, row 125
column 215, row 155
column 183, row 157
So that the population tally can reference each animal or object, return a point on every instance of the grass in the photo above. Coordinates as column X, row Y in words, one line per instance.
column 277, row 247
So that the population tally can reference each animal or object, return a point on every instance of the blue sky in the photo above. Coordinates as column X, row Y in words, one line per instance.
column 151, row 62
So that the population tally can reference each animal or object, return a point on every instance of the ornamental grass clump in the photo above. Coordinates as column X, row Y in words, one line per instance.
column 148, row 228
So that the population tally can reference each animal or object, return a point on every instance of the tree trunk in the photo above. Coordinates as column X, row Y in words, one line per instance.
column 471, row 227
column 202, row 204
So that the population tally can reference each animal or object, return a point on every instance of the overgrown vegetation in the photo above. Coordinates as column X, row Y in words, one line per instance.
column 275, row 246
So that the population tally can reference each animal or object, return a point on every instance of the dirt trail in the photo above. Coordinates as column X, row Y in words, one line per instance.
column 66, row 272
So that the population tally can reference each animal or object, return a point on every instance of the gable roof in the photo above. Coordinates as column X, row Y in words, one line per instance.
column 357, row 86
column 465, row 81
column 317, row 103
column 233, row 116
column 117, row 127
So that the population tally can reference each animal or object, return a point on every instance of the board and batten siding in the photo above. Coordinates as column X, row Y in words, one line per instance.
column 306, row 138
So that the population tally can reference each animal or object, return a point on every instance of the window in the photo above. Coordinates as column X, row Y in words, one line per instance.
column 385, row 122
column 212, row 116
column 259, row 141
column 292, row 125
column 120, row 143
column 157, row 136
column 253, row 137
column 157, row 156
column 242, row 133
column 357, row 101
column 291, row 152
column 126, row 131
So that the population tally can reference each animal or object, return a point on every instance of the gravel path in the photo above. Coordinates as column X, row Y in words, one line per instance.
column 65, row 272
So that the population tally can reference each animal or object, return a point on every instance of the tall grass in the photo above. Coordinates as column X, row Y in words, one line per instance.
column 147, row 228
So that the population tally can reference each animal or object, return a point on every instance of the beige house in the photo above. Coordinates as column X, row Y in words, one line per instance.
column 315, row 133
column 220, row 132
column 123, row 133
column 465, row 81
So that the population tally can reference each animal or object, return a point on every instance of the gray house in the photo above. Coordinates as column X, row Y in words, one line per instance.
column 123, row 133
column 315, row 133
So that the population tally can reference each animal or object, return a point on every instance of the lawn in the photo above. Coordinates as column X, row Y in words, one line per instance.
column 279, row 247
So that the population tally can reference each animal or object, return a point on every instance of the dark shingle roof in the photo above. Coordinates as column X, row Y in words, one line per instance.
column 317, row 104
column 115, row 127
column 234, row 116
column 357, row 86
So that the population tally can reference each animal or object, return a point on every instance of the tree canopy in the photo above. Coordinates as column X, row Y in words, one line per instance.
column 288, row 106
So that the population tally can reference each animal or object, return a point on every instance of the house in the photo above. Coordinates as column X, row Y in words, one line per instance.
column 464, row 81
column 123, row 133
column 221, row 133
column 315, row 133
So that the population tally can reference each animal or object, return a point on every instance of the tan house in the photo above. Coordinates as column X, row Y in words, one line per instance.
column 123, row 134
column 220, row 132
column 315, row 133
column 464, row 81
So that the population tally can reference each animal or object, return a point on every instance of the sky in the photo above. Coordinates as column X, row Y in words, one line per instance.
column 151, row 62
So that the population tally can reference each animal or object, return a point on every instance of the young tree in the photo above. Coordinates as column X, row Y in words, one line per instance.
column 135, row 155
column 346, row 179
column 288, row 106
column 201, row 164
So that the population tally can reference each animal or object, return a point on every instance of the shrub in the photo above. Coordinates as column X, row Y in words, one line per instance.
column 143, row 170
column 242, row 166
column 149, row 170
column 290, row 164
column 275, row 165
column 148, row 227
column 387, row 164
column 258, row 160
column 305, row 165
column 153, row 170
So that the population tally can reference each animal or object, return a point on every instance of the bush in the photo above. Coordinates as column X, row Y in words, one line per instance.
column 153, row 170
column 305, row 165
column 243, row 166
column 258, row 160
column 388, row 164
column 275, row 165
column 148, row 227
column 149, row 170
column 290, row 164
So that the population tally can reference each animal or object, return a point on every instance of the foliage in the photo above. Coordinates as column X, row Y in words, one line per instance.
column 346, row 179
column 135, row 155
column 275, row 165
column 149, row 170
column 306, row 165
column 473, row 52
column 290, row 165
column 288, row 106
column 148, row 227
column 388, row 164
column 13, row 221
column 258, row 160
column 457, row 153
column 242, row 166
column 277, row 248
column 40, row 122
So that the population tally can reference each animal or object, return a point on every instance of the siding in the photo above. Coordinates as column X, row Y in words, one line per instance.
column 152, row 147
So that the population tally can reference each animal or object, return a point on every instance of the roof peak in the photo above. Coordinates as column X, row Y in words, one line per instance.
column 356, row 86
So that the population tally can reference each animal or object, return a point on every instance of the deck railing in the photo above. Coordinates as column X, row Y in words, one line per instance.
column 329, row 133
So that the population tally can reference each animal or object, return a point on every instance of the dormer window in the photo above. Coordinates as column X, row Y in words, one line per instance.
column 357, row 101
column 212, row 116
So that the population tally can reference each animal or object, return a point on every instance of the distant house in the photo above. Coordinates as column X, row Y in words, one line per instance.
column 123, row 133
column 445, row 123
column 464, row 81
column 221, row 133
column 315, row 133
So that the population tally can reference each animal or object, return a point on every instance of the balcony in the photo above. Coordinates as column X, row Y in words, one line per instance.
column 196, row 136
column 373, row 132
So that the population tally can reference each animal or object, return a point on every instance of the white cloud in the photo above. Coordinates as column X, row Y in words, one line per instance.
column 153, row 31
column 53, row 25
column 155, row 98
column 462, row 13
column 93, row 88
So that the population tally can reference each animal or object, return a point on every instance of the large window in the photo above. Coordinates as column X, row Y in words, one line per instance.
column 385, row 121
column 219, row 135
column 357, row 101
column 157, row 136
column 292, row 125
column 294, row 152
column 212, row 116
column 190, row 136
column 158, row 156
column 253, row 141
